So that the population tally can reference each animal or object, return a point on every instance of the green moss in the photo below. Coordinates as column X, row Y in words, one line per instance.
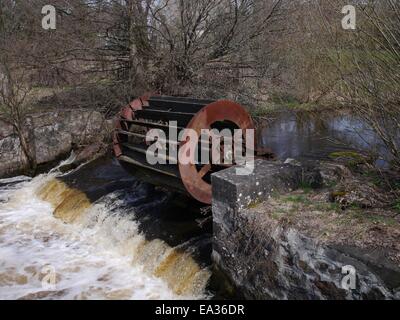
column 337, row 194
column 254, row 204
column 352, row 159
column 347, row 154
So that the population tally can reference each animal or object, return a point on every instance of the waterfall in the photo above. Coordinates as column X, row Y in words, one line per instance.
column 50, row 231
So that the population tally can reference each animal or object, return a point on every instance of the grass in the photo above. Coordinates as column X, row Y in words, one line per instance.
column 327, row 207
column 374, row 177
column 278, row 214
column 263, row 110
column 303, row 199
column 396, row 206
column 363, row 217
column 289, row 208
column 322, row 206
column 334, row 207
column 306, row 187
column 297, row 199
column 331, row 184
column 282, row 98
column 281, row 102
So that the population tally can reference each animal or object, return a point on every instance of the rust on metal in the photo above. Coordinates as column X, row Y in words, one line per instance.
column 127, row 113
column 149, row 112
column 220, row 111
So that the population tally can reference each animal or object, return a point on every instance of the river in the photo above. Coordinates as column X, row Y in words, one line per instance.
column 315, row 135
column 102, row 237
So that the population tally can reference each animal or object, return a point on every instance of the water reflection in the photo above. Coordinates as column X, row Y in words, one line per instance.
column 315, row 136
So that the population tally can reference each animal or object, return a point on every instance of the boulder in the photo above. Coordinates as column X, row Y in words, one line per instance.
column 54, row 135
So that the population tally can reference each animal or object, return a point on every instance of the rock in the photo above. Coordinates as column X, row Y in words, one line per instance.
column 311, row 176
column 356, row 193
column 86, row 154
column 292, row 162
column 89, row 153
column 333, row 173
column 54, row 134
column 11, row 156
column 51, row 143
column 6, row 130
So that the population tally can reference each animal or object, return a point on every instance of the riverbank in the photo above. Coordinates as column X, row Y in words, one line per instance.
column 295, row 231
column 53, row 136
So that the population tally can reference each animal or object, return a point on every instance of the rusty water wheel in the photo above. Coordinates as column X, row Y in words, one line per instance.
column 149, row 112
column 218, row 112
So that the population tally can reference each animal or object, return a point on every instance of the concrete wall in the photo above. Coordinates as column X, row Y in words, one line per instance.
column 266, row 258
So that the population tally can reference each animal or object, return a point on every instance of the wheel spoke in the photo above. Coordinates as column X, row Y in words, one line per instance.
column 204, row 170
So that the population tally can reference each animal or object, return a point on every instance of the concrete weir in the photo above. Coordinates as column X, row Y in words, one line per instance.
column 266, row 257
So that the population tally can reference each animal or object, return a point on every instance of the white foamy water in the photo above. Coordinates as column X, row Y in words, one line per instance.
column 100, row 256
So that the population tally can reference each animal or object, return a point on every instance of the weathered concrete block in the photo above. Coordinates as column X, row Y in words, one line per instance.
column 240, row 192
column 232, row 195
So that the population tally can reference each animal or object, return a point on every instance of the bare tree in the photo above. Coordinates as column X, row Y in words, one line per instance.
column 13, row 109
column 14, row 87
column 165, row 45
column 370, row 70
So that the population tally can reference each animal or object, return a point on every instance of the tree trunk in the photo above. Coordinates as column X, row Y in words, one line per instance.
column 27, row 149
